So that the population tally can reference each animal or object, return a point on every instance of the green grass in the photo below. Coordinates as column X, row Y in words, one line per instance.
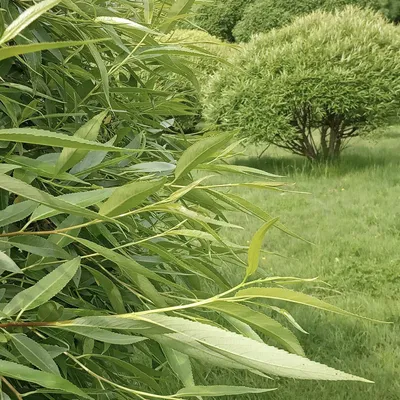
column 352, row 215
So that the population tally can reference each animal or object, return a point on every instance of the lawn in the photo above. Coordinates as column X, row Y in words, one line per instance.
column 352, row 215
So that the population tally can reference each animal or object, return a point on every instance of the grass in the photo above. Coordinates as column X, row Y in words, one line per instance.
column 352, row 215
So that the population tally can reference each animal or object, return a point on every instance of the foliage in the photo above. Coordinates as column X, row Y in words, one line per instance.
column 106, row 239
column 264, row 15
column 220, row 17
column 308, row 80
column 204, row 67
column 391, row 9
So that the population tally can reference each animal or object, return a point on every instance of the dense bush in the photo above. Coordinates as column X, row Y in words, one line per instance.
column 264, row 15
column 220, row 17
column 204, row 67
column 313, row 85
column 391, row 9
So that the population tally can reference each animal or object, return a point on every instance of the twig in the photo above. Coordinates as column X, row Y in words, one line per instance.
column 12, row 388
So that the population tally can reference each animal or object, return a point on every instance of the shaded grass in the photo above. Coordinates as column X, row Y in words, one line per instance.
column 352, row 215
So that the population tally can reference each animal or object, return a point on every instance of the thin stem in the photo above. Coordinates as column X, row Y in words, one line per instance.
column 12, row 388
column 126, row 389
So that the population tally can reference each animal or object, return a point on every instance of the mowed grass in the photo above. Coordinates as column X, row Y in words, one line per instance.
column 352, row 215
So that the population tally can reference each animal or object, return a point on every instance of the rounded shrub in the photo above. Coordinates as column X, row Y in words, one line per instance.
column 220, row 17
column 264, row 15
column 311, row 86
column 203, row 67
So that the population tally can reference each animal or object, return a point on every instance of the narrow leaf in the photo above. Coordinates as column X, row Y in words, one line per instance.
column 293, row 297
column 261, row 322
column 26, row 18
column 35, row 353
column 50, row 381
column 6, row 264
column 255, row 247
column 44, row 289
column 127, row 197
column 199, row 152
column 217, row 391
column 69, row 156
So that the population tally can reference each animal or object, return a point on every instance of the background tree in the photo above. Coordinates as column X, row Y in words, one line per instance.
column 264, row 15
column 313, row 85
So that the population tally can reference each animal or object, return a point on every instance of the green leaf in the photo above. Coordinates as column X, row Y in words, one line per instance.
column 127, row 197
column 48, row 138
column 127, row 265
column 126, row 24
column 103, row 71
column 69, row 156
column 6, row 264
column 199, row 152
column 35, row 353
column 255, row 247
column 26, row 18
column 293, row 297
column 152, row 167
column 217, row 346
column 236, row 169
column 39, row 246
column 44, row 289
column 23, row 189
column 12, row 51
column 180, row 364
column 261, row 322
column 110, row 290
column 106, row 336
column 81, row 199
column 50, row 381
column 217, row 391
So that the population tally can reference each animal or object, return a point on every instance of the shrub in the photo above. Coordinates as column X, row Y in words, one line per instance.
column 220, row 17
column 189, row 91
column 110, row 254
column 264, row 15
column 391, row 9
column 334, row 76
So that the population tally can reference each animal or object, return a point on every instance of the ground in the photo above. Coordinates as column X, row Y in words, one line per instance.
column 352, row 215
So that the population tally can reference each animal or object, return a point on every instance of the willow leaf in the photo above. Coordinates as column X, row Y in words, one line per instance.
column 43, row 290
column 17, row 371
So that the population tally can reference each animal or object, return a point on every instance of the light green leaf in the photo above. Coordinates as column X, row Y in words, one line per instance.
column 26, row 18
column 30, row 192
column 39, row 246
column 261, row 322
column 44, row 289
column 35, row 353
column 6, row 264
column 48, row 138
column 152, row 167
column 50, row 381
column 217, row 391
column 180, row 364
column 127, row 197
column 179, row 8
column 236, row 169
column 103, row 71
column 199, row 152
column 69, row 156
column 216, row 346
column 106, row 336
column 126, row 24
column 81, row 199
column 293, row 297
column 255, row 247
column 110, row 290
column 12, row 51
